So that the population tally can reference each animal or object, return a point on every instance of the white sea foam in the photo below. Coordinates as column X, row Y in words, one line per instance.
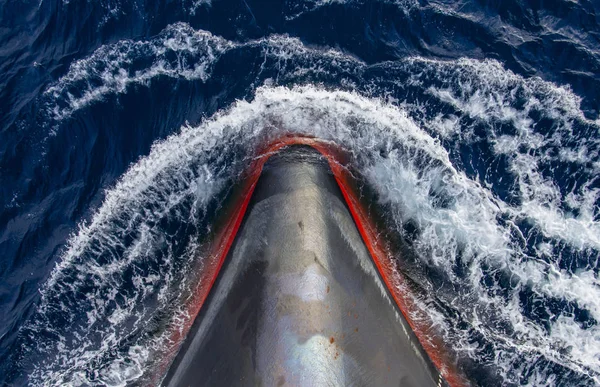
column 409, row 169
column 179, row 51
column 461, row 220
column 489, row 94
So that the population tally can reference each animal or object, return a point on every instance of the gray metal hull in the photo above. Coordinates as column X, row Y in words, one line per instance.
column 298, row 300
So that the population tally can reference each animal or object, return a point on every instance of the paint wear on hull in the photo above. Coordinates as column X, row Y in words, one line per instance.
column 299, row 289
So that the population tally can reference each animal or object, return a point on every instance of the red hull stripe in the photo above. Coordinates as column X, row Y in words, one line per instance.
column 222, row 242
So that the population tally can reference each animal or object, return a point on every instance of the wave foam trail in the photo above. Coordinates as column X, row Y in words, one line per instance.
column 461, row 225
column 490, row 178
column 179, row 51
column 487, row 93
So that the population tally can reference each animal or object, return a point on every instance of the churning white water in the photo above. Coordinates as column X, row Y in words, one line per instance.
column 490, row 247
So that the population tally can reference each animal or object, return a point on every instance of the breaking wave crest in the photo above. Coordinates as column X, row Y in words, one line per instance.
column 510, row 264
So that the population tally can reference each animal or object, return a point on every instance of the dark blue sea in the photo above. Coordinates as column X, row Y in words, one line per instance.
column 123, row 124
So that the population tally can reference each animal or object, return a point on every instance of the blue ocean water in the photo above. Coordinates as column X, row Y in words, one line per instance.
column 124, row 123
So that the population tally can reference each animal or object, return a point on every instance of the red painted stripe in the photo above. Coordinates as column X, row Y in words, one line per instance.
column 219, row 249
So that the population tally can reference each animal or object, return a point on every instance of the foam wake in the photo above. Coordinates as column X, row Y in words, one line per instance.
column 463, row 155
